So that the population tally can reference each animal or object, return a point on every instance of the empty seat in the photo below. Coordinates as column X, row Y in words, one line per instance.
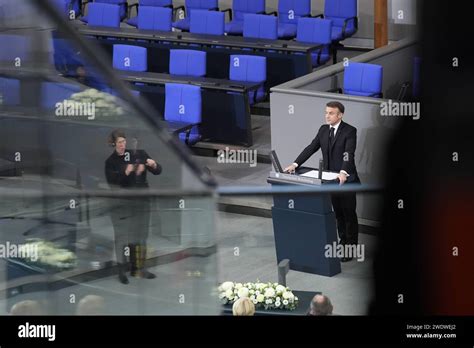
column 155, row 18
column 53, row 93
column 183, row 103
column 18, row 51
column 70, row 8
column 289, row 11
column 207, row 22
column 363, row 79
column 61, row 5
column 250, row 69
column 317, row 31
column 65, row 58
column 9, row 92
column 191, row 5
column 132, row 58
column 187, row 62
column 104, row 15
column 148, row 3
column 123, row 8
column 343, row 14
column 260, row 26
column 239, row 9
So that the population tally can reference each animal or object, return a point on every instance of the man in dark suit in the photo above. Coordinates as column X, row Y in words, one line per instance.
column 337, row 141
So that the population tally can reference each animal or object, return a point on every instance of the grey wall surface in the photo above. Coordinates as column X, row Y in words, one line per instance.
column 292, row 131
column 366, row 15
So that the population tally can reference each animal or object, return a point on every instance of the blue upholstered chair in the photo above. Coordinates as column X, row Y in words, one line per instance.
column 239, row 9
column 65, row 57
column 122, row 4
column 289, row 11
column 207, row 22
column 362, row 79
column 250, row 69
column 317, row 31
column 147, row 3
column 9, row 92
column 343, row 14
column 260, row 26
column 183, row 103
column 155, row 18
column 15, row 49
column 187, row 63
column 132, row 58
column 68, row 7
column 191, row 5
column 104, row 15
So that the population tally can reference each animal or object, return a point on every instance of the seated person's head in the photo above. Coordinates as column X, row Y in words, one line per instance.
column 243, row 307
column 91, row 305
column 27, row 307
column 320, row 305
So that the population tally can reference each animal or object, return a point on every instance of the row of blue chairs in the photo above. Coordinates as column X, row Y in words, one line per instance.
column 183, row 62
column 343, row 13
column 308, row 30
column 360, row 79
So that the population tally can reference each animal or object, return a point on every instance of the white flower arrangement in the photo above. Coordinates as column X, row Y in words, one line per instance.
column 263, row 295
column 105, row 104
column 50, row 255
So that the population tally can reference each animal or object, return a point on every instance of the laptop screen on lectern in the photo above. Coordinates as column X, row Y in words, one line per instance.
column 276, row 162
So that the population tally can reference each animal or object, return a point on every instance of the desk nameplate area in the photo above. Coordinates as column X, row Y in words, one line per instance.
column 292, row 179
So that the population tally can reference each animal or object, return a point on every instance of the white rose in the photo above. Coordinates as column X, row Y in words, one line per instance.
column 229, row 293
column 296, row 298
column 252, row 297
column 227, row 285
column 243, row 292
column 238, row 285
column 286, row 295
column 285, row 302
column 269, row 292
column 252, row 292
column 291, row 297
column 280, row 288
column 260, row 298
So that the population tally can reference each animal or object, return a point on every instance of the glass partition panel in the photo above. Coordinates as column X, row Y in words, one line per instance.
column 102, row 210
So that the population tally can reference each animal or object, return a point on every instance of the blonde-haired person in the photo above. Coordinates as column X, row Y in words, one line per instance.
column 91, row 305
column 27, row 307
column 243, row 307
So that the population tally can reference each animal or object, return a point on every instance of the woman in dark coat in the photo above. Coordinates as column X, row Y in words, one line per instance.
column 127, row 169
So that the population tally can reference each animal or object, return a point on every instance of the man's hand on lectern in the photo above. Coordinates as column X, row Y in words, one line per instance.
column 342, row 178
column 290, row 169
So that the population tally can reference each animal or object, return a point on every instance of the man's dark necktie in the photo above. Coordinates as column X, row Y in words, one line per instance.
column 331, row 135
